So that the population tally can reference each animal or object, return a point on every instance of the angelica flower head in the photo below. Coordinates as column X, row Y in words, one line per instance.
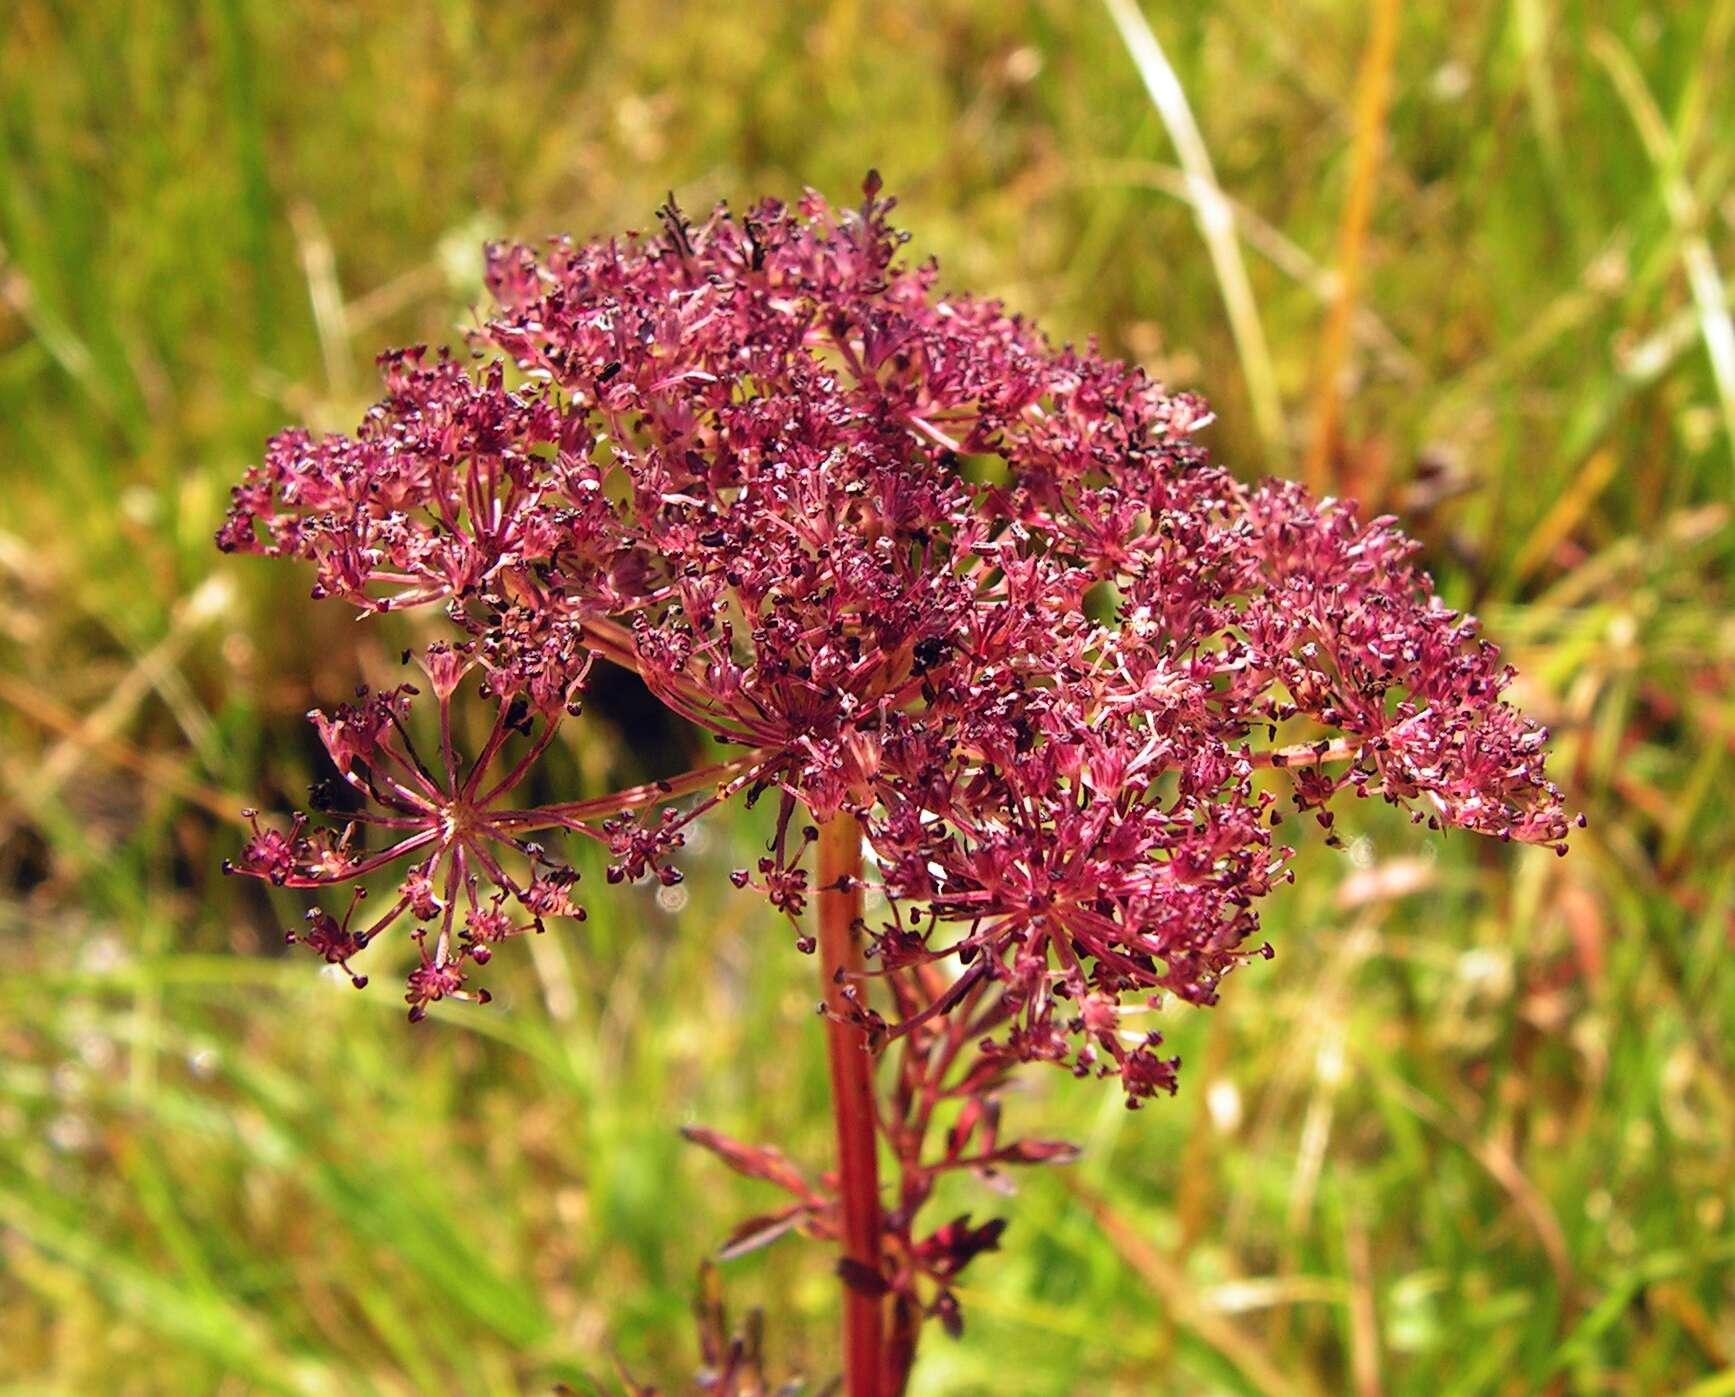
column 917, row 563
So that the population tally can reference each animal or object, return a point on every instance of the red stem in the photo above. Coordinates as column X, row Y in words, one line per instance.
column 852, row 1099
column 632, row 797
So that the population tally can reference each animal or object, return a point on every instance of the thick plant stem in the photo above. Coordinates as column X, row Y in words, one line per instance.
column 852, row 1102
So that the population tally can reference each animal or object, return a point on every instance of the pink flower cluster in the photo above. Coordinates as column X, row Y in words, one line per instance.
column 915, row 562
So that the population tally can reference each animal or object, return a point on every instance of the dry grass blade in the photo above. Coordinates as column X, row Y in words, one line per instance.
column 1507, row 1172
column 161, row 771
column 1181, row 1296
column 1599, row 281
column 106, row 721
column 1645, row 362
column 1364, row 1323
column 325, row 295
column 1532, row 25
column 1691, row 1316
column 1373, row 95
column 1275, row 246
column 1216, row 221
column 1566, row 513
column 63, row 346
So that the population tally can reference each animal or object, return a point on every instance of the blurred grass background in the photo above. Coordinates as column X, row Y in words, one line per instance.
column 1471, row 1132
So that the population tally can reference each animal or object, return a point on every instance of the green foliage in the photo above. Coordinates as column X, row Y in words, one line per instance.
column 1469, row 1133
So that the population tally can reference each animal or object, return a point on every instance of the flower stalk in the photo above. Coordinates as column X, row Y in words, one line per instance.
column 852, row 1105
